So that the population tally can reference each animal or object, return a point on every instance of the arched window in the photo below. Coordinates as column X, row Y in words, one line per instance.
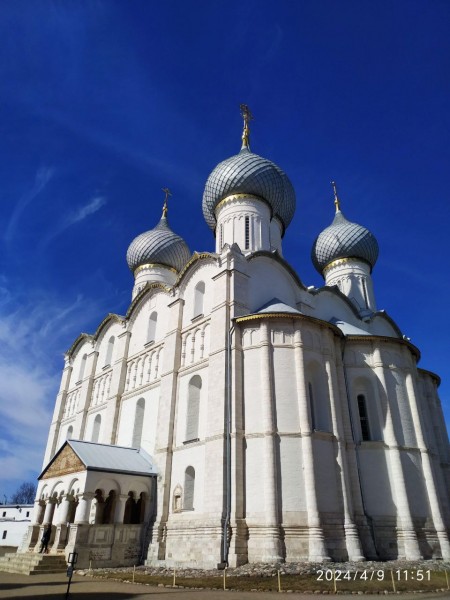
column 247, row 233
column 199, row 295
column 319, row 399
column 151, row 333
column 189, row 484
column 138, row 423
column 109, row 351
column 69, row 433
column 96, row 428
column 311, row 405
column 193, row 408
column 82, row 367
column 363, row 417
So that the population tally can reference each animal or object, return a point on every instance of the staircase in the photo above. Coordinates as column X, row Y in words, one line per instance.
column 30, row 563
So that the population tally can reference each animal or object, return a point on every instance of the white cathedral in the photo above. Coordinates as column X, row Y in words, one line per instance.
column 234, row 415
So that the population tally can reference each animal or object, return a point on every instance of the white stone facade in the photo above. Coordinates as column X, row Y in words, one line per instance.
column 14, row 521
column 306, row 432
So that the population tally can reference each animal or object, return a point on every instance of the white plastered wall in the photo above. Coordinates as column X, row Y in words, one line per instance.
column 127, row 419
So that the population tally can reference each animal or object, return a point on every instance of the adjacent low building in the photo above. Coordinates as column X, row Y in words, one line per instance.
column 14, row 522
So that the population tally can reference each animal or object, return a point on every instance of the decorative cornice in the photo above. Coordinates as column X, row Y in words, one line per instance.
column 84, row 337
column 436, row 378
column 195, row 257
column 299, row 317
column 153, row 266
column 234, row 197
column 385, row 338
column 341, row 261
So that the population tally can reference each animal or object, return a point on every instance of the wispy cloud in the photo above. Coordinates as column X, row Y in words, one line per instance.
column 34, row 332
column 73, row 218
column 42, row 178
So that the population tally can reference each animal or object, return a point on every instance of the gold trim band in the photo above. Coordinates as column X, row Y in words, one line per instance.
column 340, row 261
column 153, row 266
column 240, row 197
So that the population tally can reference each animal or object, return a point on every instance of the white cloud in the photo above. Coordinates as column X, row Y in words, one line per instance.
column 75, row 217
column 43, row 176
column 34, row 331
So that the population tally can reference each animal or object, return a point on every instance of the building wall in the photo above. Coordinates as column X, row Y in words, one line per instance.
column 14, row 521
column 301, row 469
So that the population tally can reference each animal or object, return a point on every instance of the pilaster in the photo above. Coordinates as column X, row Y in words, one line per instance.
column 407, row 533
column 85, row 395
column 351, row 532
column 317, row 548
column 117, row 387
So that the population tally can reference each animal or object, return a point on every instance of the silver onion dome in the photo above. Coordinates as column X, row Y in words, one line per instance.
column 344, row 239
column 161, row 246
column 249, row 173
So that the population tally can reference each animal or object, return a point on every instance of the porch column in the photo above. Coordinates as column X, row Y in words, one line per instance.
column 63, row 512
column 49, row 511
column 99, row 506
column 121, row 500
column 39, row 510
column 83, row 508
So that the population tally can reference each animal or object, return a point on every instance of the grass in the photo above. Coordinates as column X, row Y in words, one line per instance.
column 346, row 581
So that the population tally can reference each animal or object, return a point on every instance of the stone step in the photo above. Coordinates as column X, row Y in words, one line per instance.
column 31, row 563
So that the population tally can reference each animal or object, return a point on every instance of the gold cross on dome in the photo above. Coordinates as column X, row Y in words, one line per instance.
column 247, row 116
column 167, row 193
column 336, row 199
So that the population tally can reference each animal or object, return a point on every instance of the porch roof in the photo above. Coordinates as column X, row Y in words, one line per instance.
column 104, row 457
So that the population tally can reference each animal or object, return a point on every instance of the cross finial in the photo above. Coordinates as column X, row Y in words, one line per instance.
column 247, row 116
column 167, row 193
column 336, row 199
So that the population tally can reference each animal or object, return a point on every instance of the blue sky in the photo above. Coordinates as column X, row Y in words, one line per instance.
column 103, row 103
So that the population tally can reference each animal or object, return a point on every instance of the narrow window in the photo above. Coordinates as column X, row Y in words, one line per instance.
column 138, row 423
column 193, row 408
column 189, row 484
column 82, row 367
column 96, row 428
column 221, row 237
column 199, row 296
column 364, row 286
column 28, row 513
column 151, row 335
column 364, row 421
column 69, row 433
column 247, row 233
column 4, row 535
column 311, row 406
column 109, row 351
column 4, row 514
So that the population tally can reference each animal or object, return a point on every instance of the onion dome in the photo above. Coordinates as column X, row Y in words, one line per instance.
column 249, row 173
column 159, row 246
column 343, row 239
